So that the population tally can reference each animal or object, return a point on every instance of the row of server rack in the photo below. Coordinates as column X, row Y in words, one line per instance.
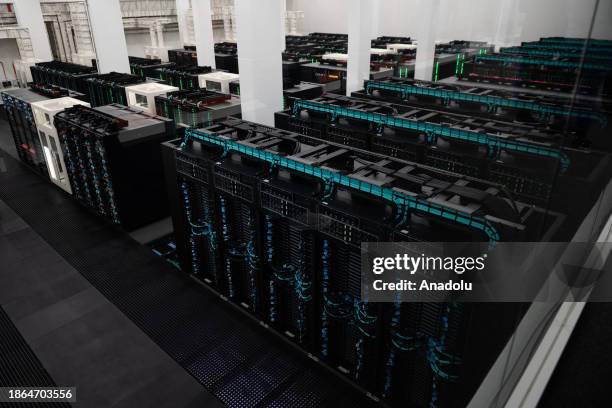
column 98, row 89
column 550, row 63
column 108, row 158
column 273, row 218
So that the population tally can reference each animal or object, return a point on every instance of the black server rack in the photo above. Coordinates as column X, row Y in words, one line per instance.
column 147, row 67
column 592, row 47
column 190, row 108
column 50, row 91
column 63, row 74
column 18, row 109
column 530, row 162
column 226, row 56
column 183, row 57
column 383, row 41
column 113, row 159
column 184, row 78
column 53, row 91
column 106, row 89
column 257, row 225
column 558, row 74
column 575, row 54
column 588, row 118
column 466, row 47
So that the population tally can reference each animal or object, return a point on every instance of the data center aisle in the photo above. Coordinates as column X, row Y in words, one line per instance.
column 237, row 361
column 57, row 329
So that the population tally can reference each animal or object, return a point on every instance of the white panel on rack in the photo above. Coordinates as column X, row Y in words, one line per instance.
column 142, row 96
column 217, row 81
column 44, row 112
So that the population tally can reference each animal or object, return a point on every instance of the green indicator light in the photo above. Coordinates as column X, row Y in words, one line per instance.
column 436, row 76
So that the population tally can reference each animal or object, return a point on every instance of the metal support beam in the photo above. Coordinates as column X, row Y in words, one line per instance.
column 106, row 24
column 259, row 59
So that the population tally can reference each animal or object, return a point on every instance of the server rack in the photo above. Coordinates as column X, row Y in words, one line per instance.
column 530, row 162
column 63, row 74
column 571, row 53
column 574, row 40
column 106, row 89
column 272, row 220
column 142, row 96
column 385, row 40
column 184, row 78
column 53, row 91
column 18, row 108
column 588, row 118
column 44, row 114
column 591, row 48
column 196, row 108
column 469, row 48
column 183, row 57
column 226, row 56
column 558, row 74
column 113, row 158
column 147, row 67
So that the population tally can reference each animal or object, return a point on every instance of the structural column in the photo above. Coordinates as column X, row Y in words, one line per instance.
column 259, row 59
column 505, row 24
column 182, row 10
column 108, row 36
column 29, row 15
column 359, row 43
column 426, row 47
column 203, row 31
column 283, row 22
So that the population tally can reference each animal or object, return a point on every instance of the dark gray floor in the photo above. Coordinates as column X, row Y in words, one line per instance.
column 232, row 356
column 81, row 338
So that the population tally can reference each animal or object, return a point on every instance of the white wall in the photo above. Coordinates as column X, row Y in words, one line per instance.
column 469, row 19
column 8, row 53
column 137, row 41
column 327, row 16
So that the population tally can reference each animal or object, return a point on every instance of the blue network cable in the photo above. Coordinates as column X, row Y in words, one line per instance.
column 325, row 257
column 226, row 240
column 109, row 184
column 269, row 259
column 252, row 260
column 439, row 360
column 195, row 261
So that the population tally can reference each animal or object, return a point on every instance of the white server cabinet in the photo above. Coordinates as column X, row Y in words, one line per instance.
column 142, row 96
column 217, row 81
column 44, row 112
